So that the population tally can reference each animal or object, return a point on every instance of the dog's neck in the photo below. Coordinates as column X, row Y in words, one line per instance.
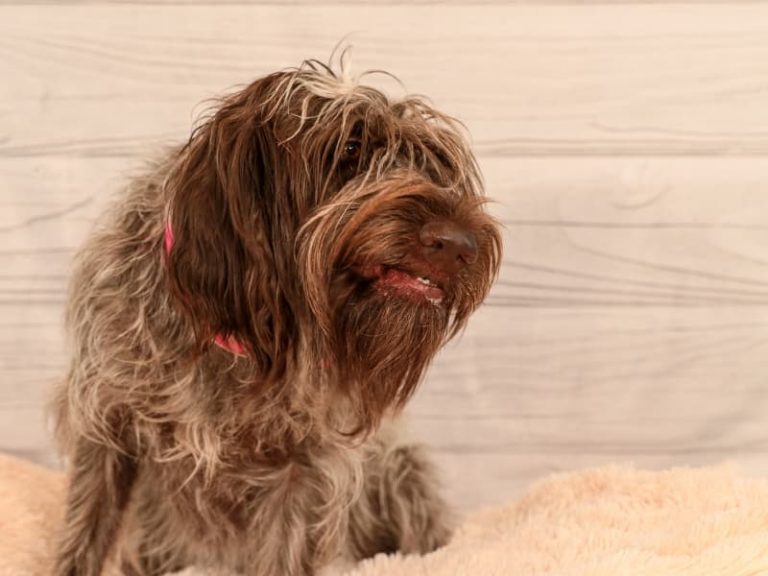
column 228, row 343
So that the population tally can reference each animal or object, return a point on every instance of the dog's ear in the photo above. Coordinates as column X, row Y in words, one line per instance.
column 227, row 263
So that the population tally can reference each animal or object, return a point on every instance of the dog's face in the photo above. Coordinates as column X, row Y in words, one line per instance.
column 318, row 221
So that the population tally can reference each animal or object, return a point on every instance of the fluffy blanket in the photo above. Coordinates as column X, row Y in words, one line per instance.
column 612, row 521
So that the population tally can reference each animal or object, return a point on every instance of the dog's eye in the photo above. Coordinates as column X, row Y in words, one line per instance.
column 351, row 150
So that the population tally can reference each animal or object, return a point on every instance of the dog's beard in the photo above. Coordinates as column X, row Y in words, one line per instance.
column 379, row 316
column 382, row 343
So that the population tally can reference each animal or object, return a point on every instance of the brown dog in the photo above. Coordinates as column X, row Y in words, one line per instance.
column 252, row 313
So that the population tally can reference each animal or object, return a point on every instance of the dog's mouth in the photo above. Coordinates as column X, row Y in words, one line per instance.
column 403, row 283
column 414, row 285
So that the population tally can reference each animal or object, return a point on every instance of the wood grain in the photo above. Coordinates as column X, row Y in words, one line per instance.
column 623, row 79
column 406, row 3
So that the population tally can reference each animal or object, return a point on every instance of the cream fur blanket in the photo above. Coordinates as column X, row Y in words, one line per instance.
column 613, row 521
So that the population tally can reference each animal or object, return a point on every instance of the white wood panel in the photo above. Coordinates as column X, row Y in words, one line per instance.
column 407, row 3
column 579, row 232
column 597, row 79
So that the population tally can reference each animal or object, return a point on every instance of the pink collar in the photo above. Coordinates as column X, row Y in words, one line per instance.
column 229, row 343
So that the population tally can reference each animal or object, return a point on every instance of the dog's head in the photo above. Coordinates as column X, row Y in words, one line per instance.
column 316, row 220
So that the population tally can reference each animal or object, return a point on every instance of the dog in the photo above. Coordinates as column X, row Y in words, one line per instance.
column 248, row 321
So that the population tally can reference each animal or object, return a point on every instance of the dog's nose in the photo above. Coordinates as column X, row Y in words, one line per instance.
column 447, row 245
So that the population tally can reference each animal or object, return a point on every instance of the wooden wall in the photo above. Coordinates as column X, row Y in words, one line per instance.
column 625, row 142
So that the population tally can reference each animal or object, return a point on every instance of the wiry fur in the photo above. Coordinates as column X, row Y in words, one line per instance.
column 274, row 461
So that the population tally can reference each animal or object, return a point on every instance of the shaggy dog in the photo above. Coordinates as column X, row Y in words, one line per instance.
column 248, row 320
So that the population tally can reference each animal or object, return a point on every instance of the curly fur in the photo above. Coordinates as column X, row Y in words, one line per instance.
column 278, row 460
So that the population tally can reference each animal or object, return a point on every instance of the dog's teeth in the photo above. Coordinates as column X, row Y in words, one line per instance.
column 423, row 280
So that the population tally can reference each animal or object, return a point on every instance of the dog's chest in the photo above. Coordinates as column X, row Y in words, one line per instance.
column 238, row 512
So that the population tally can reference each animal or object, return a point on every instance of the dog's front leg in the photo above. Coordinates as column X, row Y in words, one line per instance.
column 401, row 508
column 100, row 484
